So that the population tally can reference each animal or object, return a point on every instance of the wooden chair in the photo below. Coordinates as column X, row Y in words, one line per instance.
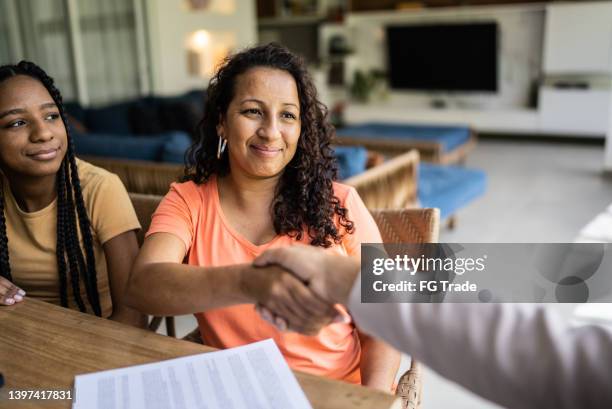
column 409, row 226
column 395, row 225
column 145, row 205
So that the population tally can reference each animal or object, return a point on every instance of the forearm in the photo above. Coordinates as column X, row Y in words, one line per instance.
column 176, row 289
column 128, row 316
column 379, row 363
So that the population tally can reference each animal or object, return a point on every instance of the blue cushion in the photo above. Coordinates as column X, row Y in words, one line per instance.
column 449, row 188
column 175, row 147
column 450, row 137
column 352, row 160
column 112, row 119
column 121, row 147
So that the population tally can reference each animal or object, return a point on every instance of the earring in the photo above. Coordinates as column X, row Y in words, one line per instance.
column 221, row 147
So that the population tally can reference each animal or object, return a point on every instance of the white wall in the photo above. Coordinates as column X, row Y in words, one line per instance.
column 578, row 38
column 520, row 50
column 171, row 21
column 608, row 148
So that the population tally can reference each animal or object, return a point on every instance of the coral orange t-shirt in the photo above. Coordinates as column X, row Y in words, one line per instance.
column 193, row 213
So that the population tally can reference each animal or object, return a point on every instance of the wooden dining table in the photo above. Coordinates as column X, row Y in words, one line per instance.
column 43, row 347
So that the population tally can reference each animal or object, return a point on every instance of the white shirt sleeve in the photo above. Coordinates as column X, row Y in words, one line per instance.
column 517, row 355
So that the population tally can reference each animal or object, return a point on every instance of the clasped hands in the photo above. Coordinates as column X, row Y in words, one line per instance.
column 300, row 287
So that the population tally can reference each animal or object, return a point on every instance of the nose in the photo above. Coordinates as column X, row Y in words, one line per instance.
column 41, row 131
column 270, row 129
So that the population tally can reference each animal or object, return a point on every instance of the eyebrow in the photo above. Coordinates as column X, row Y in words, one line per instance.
column 16, row 111
column 262, row 103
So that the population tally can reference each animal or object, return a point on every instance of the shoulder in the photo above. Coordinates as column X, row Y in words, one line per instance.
column 190, row 191
column 93, row 178
column 108, row 204
column 344, row 193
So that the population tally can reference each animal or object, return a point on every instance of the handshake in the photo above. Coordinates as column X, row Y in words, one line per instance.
column 306, row 284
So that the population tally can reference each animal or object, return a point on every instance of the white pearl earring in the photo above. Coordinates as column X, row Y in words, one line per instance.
column 221, row 147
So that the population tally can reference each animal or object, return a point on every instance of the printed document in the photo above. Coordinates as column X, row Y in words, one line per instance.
column 253, row 376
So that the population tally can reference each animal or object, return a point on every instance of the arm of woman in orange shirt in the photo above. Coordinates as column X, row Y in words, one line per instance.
column 379, row 363
column 161, row 285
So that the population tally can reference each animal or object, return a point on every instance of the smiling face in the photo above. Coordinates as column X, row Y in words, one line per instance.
column 33, row 137
column 262, row 123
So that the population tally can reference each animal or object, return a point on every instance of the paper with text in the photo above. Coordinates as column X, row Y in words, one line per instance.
column 253, row 376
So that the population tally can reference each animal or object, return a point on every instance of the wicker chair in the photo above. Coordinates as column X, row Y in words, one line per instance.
column 384, row 185
column 391, row 185
column 409, row 226
column 145, row 205
column 152, row 178
column 396, row 226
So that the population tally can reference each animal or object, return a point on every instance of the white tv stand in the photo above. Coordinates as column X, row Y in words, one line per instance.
column 561, row 113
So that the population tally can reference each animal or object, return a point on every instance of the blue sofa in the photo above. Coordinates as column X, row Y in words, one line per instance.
column 449, row 137
column 141, row 116
column 449, row 188
column 166, row 147
column 151, row 128
column 435, row 143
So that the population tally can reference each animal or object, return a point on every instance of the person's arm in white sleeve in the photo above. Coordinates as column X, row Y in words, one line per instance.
column 520, row 356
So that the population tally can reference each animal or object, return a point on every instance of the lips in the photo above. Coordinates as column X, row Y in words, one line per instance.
column 44, row 154
column 265, row 151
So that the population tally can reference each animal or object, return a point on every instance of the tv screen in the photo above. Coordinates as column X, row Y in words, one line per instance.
column 443, row 57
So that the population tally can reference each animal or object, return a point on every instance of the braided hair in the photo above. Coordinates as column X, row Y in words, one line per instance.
column 72, row 260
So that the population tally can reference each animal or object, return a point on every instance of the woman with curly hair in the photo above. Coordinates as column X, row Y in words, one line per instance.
column 260, row 176
column 66, row 227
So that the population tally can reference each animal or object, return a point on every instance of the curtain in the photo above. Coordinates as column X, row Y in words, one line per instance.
column 41, row 31
column 110, row 49
column 107, row 54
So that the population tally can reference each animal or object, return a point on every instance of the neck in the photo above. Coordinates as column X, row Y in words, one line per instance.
column 33, row 194
column 245, row 191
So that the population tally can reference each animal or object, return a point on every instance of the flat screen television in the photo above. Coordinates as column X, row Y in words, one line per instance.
column 443, row 57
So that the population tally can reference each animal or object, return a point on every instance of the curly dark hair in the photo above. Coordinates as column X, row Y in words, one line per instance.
column 304, row 199
column 70, row 210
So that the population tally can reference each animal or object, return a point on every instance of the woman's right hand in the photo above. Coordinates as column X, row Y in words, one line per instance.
column 277, row 290
column 9, row 292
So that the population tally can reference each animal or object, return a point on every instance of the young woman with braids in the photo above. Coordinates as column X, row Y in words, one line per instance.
column 66, row 227
column 259, row 176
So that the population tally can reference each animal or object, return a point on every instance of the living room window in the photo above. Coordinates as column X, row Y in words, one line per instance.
column 96, row 50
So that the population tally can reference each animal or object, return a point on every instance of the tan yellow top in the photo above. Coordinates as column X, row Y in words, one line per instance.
column 32, row 237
